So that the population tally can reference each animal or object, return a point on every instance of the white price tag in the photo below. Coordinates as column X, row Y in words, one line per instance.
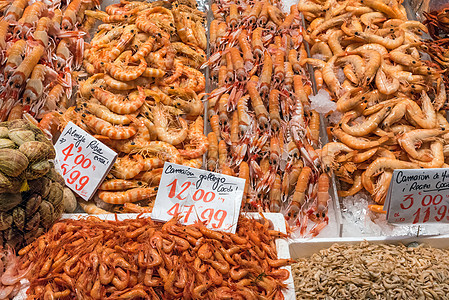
column 82, row 160
column 200, row 195
column 418, row 196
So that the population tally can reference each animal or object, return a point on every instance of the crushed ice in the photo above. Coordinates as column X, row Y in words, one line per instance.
column 322, row 103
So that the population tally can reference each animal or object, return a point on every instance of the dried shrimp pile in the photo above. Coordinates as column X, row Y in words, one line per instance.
column 263, row 128
column 140, row 258
column 373, row 272
column 143, row 98
column 367, row 55
column 42, row 43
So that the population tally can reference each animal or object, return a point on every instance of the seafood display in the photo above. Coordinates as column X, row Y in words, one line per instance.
column 262, row 126
column 143, row 97
column 42, row 45
column 141, row 258
column 31, row 192
column 9, row 278
column 366, row 55
column 373, row 271
column 437, row 23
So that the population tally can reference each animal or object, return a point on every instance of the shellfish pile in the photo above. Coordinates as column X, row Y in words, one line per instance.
column 31, row 192
column 143, row 96
column 366, row 54
column 260, row 113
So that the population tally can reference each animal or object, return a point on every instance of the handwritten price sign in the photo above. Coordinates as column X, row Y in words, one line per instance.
column 199, row 195
column 82, row 160
column 418, row 197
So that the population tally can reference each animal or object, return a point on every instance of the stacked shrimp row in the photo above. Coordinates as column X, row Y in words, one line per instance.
column 143, row 98
column 144, row 259
column 367, row 54
column 263, row 128
column 42, row 44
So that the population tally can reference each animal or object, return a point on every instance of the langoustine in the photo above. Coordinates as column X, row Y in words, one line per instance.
column 41, row 55
column 264, row 128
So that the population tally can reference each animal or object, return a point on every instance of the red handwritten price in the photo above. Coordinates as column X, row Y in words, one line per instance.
column 74, row 175
column 207, row 215
column 199, row 194
column 83, row 161
column 427, row 204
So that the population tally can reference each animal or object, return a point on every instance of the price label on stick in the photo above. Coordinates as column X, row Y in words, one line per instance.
column 418, row 196
column 82, row 160
column 199, row 195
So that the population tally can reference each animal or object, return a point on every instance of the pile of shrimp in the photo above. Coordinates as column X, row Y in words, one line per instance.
column 41, row 46
column 366, row 54
column 10, row 275
column 143, row 97
column 437, row 47
column 144, row 259
column 263, row 128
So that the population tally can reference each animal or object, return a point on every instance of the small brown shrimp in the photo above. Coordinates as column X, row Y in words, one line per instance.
column 132, row 195
column 119, row 184
column 117, row 103
column 126, row 167
column 105, row 128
